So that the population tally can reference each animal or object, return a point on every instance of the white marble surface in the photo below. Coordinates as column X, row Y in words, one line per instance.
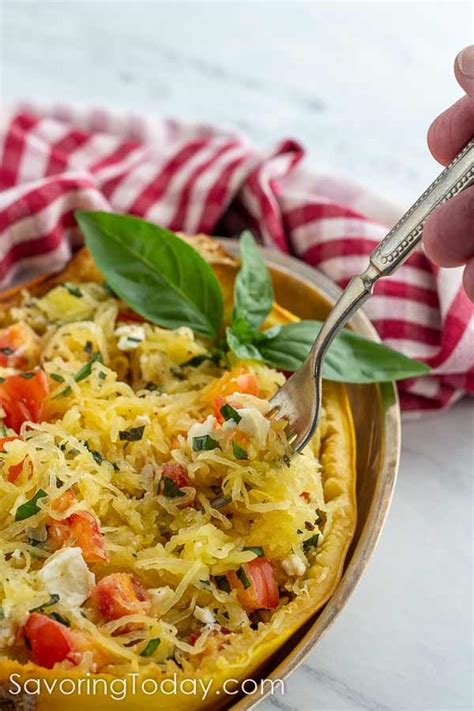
column 358, row 83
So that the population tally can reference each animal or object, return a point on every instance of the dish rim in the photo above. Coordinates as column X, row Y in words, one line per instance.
column 383, row 492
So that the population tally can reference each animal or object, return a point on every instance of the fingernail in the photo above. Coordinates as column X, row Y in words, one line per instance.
column 465, row 60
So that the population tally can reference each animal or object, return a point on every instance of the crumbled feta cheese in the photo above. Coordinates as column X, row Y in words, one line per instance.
column 67, row 575
column 239, row 400
column 159, row 597
column 254, row 424
column 200, row 429
column 130, row 336
column 229, row 425
column 204, row 615
column 293, row 565
column 142, row 420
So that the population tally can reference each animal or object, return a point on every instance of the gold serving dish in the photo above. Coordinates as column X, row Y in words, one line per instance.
column 309, row 294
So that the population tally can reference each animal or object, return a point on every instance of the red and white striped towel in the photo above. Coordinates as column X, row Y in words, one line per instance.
column 200, row 178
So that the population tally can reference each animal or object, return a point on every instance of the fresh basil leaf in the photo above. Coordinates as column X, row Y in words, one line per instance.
column 220, row 501
column 242, row 576
column 241, row 349
column 29, row 508
column 54, row 598
column 156, row 273
column 73, row 290
column 229, row 413
column 134, row 434
column 151, row 647
column 170, row 489
column 253, row 290
column 259, row 552
column 222, row 583
column 83, row 373
column 204, row 443
column 351, row 358
column 59, row 618
column 310, row 543
column 239, row 452
column 58, row 378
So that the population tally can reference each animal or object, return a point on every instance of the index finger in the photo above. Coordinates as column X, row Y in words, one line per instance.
column 455, row 126
column 464, row 69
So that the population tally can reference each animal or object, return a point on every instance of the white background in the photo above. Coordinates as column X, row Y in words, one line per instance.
column 358, row 84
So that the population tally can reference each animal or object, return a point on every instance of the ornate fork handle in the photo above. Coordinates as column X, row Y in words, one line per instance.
column 393, row 250
column 403, row 238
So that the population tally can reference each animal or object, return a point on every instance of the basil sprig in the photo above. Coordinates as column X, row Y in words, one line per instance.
column 253, row 291
column 350, row 359
column 154, row 271
column 166, row 281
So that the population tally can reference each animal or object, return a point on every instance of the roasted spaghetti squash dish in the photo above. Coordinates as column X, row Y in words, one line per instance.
column 153, row 517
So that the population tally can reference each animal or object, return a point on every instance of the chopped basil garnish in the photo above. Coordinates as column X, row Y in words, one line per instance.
column 228, row 413
column 151, row 647
column 3, row 430
column 59, row 618
column 2, row 380
column 29, row 508
column 102, row 375
column 171, row 489
column 134, row 434
column 242, row 576
column 195, row 361
column 220, row 501
column 222, row 583
column 204, row 443
column 88, row 348
column 58, row 378
column 52, row 601
column 27, row 376
column 311, row 542
column 239, row 452
column 73, row 290
column 96, row 455
column 255, row 549
column 6, row 351
column 214, row 356
column 82, row 373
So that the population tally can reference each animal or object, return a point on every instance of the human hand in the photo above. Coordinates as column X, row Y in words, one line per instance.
column 448, row 235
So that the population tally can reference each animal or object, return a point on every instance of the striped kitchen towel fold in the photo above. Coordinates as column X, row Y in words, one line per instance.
column 199, row 178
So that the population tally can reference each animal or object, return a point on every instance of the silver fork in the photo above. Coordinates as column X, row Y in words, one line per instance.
column 299, row 400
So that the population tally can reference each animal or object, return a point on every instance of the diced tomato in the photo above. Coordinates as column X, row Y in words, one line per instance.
column 48, row 640
column 247, row 383
column 23, row 398
column 120, row 594
column 193, row 638
column 130, row 316
column 82, row 529
column 19, row 346
column 306, row 496
column 216, row 406
column 14, row 470
column 176, row 472
column 262, row 593
column 63, row 502
column 237, row 380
